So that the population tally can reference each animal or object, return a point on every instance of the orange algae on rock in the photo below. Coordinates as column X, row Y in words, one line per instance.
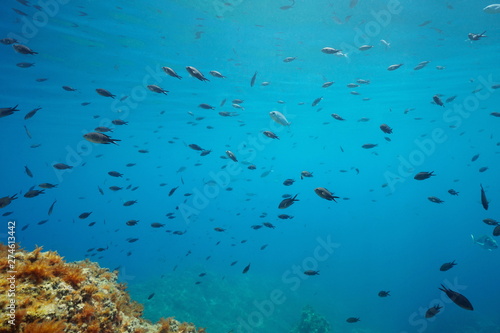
column 54, row 296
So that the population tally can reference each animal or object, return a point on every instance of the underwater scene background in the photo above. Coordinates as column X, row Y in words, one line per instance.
column 200, row 251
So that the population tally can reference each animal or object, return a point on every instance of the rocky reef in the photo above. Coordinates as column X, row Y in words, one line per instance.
column 311, row 322
column 48, row 295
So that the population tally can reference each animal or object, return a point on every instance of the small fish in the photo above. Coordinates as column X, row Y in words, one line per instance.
column 31, row 113
column 474, row 37
column 195, row 147
column 285, row 203
column 231, row 155
column 51, row 208
column 316, row 101
column 394, row 67
column 484, row 200
column 252, row 81
column 171, row 72
column 435, row 200
column 447, row 266
column 246, row 269
column 486, row 242
column 451, row 99
column 206, row 106
column 424, row 23
column 457, row 298
column 325, row 194
column 172, row 191
column 365, row 47
column 385, row 43
column 62, row 166
column 101, row 138
column 151, row 296
column 217, row 74
column 28, row 171
column 279, row 118
column 196, row 73
column 28, row 133
column 437, row 100
column 431, row 312
column 270, row 134
column 23, row 49
column 84, row 215
column 330, row 50
column 423, row 175
column 105, row 93
column 386, row 129
column 157, row 89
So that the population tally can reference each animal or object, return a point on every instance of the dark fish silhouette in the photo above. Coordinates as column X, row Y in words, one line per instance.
column 172, row 191
column 431, row 312
column 31, row 113
column 195, row 147
column 252, row 82
column 28, row 171
column 437, row 100
column 423, row 175
column 447, row 266
column 457, row 298
column 51, row 207
column 484, row 201
column 246, row 269
column 285, row 203
column 316, row 101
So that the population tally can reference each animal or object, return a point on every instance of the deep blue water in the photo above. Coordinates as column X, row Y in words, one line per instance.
column 384, row 233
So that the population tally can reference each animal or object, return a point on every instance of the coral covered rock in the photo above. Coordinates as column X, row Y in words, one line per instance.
column 48, row 295
column 311, row 322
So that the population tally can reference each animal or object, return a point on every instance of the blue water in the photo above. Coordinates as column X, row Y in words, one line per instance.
column 383, row 233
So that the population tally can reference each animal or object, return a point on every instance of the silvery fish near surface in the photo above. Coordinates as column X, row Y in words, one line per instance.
column 217, row 74
column 279, row 118
column 157, row 89
column 329, row 50
column 492, row 9
column 394, row 67
column 171, row 72
column 196, row 73
column 486, row 242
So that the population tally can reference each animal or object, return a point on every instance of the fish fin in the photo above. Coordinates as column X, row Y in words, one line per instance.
column 473, row 240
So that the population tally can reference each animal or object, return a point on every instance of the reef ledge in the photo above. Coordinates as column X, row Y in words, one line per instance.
column 46, row 294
